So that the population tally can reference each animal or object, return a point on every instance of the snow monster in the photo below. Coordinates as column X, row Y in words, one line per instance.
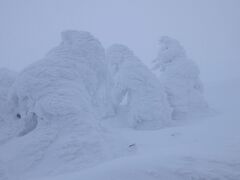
column 57, row 100
column 136, row 92
column 180, row 77
column 7, row 78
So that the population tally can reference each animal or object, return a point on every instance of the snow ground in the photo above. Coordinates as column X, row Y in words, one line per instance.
column 201, row 149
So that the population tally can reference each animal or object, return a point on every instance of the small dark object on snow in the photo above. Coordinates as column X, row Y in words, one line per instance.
column 132, row 145
column 19, row 116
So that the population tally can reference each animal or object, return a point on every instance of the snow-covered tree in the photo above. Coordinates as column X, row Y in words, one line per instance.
column 137, row 95
column 7, row 78
column 57, row 100
column 180, row 76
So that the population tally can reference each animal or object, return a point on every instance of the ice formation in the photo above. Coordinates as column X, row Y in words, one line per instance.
column 58, row 102
column 138, row 97
column 180, row 76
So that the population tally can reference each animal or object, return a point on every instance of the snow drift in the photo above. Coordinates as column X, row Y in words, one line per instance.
column 138, row 97
column 180, row 77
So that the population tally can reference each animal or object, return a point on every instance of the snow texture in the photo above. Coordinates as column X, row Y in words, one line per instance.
column 138, row 97
column 56, row 100
column 180, row 77
column 198, row 150
column 54, row 115
column 7, row 78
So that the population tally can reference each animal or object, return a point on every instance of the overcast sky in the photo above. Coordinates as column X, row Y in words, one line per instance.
column 208, row 29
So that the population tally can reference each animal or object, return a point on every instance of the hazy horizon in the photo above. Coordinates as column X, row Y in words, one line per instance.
column 209, row 30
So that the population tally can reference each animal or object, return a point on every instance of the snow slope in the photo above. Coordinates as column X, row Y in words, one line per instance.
column 203, row 149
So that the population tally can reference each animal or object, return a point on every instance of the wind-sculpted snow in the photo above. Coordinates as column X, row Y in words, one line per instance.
column 57, row 100
column 137, row 94
column 180, row 76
